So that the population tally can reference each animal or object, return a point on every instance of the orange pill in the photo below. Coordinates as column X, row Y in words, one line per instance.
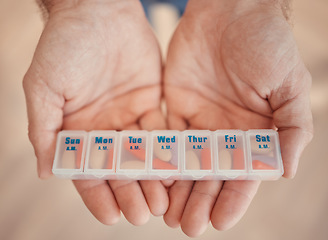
column 79, row 154
column 140, row 153
column 159, row 164
column 206, row 163
column 259, row 165
column 238, row 159
column 110, row 159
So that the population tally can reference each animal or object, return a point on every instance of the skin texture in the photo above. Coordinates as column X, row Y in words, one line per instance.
column 233, row 66
column 230, row 64
column 91, row 70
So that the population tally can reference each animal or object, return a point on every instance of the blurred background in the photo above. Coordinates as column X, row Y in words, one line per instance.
column 52, row 209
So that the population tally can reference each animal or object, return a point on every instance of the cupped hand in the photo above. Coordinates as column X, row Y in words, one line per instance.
column 97, row 66
column 233, row 65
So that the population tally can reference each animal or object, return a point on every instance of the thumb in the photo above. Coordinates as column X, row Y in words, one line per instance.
column 292, row 116
column 45, row 117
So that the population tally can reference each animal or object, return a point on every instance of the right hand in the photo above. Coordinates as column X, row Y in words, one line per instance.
column 97, row 66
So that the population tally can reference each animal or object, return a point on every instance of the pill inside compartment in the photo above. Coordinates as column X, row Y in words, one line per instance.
column 263, row 149
column 264, row 154
column 165, row 151
column 101, row 155
column 69, row 156
column 132, row 157
column 197, row 151
column 231, row 150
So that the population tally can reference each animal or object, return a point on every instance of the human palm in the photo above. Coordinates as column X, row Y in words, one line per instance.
column 98, row 69
column 98, row 66
column 237, row 71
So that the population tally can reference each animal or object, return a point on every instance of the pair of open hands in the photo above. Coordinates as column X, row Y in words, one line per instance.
column 230, row 64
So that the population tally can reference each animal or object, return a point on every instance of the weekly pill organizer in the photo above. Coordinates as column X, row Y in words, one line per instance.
column 168, row 154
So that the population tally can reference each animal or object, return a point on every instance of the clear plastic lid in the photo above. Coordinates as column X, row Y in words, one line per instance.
column 168, row 154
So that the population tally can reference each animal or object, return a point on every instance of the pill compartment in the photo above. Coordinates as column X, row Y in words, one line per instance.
column 193, row 154
column 70, row 152
column 197, row 154
column 230, row 148
column 165, row 153
column 264, row 154
column 133, row 156
column 101, row 153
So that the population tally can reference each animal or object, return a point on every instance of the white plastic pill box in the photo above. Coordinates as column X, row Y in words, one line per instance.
column 168, row 154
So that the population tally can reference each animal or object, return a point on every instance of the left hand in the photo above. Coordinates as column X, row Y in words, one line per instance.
column 233, row 65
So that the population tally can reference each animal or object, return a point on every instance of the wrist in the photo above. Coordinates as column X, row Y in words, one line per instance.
column 50, row 7
column 226, row 11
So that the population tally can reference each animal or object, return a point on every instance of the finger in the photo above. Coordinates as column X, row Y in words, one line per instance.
column 293, row 118
column 45, row 116
column 156, row 196
column 178, row 197
column 167, row 183
column 197, row 212
column 176, row 122
column 232, row 203
column 153, row 120
column 292, row 142
column 99, row 199
column 131, row 201
column 154, row 191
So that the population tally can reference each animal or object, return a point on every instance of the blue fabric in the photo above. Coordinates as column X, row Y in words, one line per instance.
column 179, row 4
